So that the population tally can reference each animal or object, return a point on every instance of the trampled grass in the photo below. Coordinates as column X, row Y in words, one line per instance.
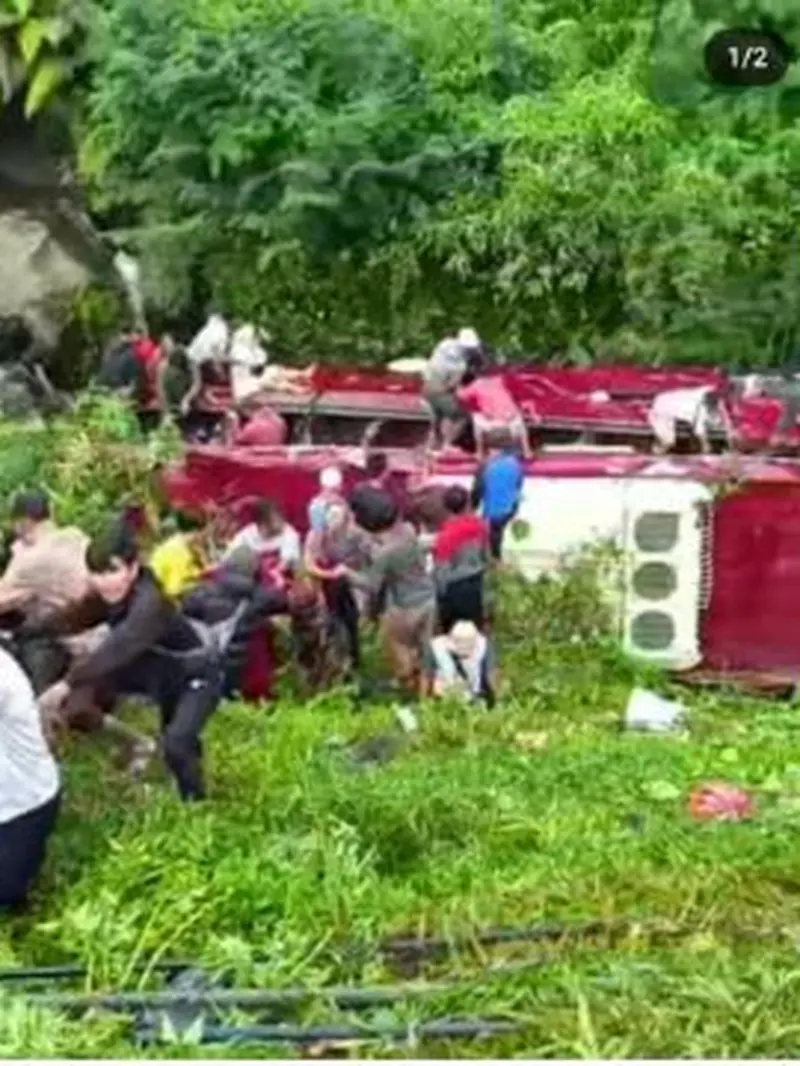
column 540, row 810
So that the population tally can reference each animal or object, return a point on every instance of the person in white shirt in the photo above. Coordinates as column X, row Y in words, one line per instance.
column 211, row 344
column 461, row 663
column 702, row 409
column 248, row 358
column 269, row 534
column 30, row 788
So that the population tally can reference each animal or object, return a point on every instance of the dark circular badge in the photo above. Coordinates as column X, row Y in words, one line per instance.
column 739, row 57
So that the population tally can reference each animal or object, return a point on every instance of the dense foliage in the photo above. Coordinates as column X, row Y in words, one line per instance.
column 361, row 177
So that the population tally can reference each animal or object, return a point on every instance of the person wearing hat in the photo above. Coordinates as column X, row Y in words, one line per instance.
column 447, row 368
column 461, row 663
column 330, row 484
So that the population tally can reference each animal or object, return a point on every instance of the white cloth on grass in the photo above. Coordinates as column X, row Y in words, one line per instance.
column 29, row 776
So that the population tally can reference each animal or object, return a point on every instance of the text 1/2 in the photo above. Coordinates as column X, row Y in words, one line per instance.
column 756, row 58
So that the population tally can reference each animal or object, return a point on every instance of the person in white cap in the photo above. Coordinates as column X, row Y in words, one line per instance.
column 444, row 374
column 461, row 663
column 330, row 483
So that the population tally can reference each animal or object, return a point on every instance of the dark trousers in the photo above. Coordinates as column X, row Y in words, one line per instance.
column 149, row 421
column 344, row 613
column 23, row 845
column 186, row 699
column 497, row 531
column 462, row 601
column 201, row 426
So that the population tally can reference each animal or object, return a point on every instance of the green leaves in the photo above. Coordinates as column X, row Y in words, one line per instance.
column 38, row 41
column 47, row 78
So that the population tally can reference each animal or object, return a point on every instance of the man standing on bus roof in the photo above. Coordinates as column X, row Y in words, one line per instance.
column 452, row 360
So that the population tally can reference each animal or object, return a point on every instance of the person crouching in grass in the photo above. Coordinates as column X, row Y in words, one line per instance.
column 461, row 664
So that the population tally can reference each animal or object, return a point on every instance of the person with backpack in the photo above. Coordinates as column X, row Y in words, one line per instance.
column 498, row 489
column 151, row 650
column 234, row 595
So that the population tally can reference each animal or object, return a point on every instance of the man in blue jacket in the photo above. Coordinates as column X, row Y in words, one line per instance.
column 498, row 488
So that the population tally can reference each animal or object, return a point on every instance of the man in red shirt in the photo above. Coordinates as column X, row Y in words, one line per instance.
column 460, row 559
column 492, row 408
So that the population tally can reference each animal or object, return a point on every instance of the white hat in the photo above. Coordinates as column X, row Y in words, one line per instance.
column 469, row 338
column 463, row 638
column 331, row 478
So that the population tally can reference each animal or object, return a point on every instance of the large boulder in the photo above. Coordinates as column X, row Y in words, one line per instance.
column 51, row 251
column 40, row 276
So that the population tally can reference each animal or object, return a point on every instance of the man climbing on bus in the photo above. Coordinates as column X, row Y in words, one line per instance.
column 443, row 376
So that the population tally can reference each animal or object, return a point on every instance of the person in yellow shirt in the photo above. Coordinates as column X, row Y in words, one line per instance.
column 180, row 561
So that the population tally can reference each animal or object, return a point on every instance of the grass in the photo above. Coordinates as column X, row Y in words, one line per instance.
column 540, row 810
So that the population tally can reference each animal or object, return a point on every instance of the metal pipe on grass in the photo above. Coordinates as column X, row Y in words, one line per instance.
column 265, row 998
column 290, row 1034
column 395, row 946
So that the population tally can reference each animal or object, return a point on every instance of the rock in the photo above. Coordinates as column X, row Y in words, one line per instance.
column 51, row 250
column 39, row 275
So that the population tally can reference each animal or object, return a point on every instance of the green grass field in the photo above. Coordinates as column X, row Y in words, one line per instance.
column 541, row 810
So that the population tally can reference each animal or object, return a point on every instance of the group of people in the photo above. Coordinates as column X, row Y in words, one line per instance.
column 219, row 381
column 185, row 622
column 220, row 386
column 705, row 410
